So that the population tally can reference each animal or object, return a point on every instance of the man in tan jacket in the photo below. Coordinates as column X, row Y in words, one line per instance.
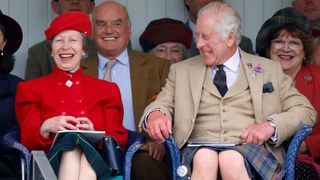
column 227, row 96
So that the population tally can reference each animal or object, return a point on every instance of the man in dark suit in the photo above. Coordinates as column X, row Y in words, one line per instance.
column 40, row 62
column 193, row 6
column 139, row 76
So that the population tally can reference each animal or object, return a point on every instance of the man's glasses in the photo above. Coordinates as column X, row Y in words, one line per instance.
column 279, row 43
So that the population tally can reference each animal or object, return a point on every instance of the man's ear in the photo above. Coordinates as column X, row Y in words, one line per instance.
column 232, row 39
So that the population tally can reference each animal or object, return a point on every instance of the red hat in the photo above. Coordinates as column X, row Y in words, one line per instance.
column 165, row 30
column 78, row 21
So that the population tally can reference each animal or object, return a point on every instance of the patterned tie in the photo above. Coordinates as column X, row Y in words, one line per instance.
column 220, row 80
column 110, row 64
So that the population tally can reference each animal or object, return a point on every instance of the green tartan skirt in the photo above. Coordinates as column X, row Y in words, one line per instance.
column 72, row 140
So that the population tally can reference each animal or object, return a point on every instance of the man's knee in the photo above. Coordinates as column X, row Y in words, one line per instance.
column 231, row 164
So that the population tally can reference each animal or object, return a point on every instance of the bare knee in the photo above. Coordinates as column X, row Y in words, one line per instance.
column 205, row 164
column 232, row 166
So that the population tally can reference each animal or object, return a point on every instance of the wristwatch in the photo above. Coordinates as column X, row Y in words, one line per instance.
column 271, row 123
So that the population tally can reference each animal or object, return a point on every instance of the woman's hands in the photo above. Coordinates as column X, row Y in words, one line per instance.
column 60, row 123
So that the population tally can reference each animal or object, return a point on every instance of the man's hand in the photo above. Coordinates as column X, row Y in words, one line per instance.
column 156, row 150
column 257, row 133
column 159, row 126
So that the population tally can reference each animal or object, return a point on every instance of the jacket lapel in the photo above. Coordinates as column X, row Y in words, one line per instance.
column 197, row 72
column 255, row 80
column 90, row 66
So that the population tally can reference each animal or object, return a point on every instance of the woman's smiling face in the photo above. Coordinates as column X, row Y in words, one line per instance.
column 67, row 50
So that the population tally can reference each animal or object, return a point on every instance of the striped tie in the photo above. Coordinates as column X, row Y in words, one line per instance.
column 220, row 80
column 110, row 64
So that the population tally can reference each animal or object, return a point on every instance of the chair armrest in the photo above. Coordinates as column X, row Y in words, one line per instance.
column 173, row 151
column 41, row 166
column 112, row 155
column 293, row 149
column 11, row 139
column 134, row 143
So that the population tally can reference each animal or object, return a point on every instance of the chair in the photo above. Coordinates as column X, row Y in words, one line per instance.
column 293, row 149
column 173, row 151
column 35, row 165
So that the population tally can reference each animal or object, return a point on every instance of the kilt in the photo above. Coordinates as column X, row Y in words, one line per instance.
column 70, row 141
column 260, row 163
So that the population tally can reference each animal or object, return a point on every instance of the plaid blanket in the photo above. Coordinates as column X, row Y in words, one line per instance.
column 260, row 163
column 70, row 141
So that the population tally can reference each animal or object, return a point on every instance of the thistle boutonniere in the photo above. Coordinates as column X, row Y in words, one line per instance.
column 255, row 70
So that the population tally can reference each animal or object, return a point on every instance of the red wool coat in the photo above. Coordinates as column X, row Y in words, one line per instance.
column 307, row 81
column 49, row 96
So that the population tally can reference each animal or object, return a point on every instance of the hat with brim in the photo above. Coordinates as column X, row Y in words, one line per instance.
column 282, row 18
column 78, row 21
column 165, row 30
column 13, row 33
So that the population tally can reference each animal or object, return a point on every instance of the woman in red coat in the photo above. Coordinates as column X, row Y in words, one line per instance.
column 285, row 38
column 67, row 99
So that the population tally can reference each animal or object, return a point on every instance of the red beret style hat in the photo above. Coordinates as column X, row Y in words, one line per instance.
column 13, row 33
column 165, row 30
column 78, row 21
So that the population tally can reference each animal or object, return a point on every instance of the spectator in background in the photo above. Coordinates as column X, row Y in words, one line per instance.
column 166, row 38
column 286, row 38
column 315, row 48
column 193, row 6
column 67, row 99
column 311, row 9
column 140, row 77
column 10, row 41
column 40, row 62
column 226, row 95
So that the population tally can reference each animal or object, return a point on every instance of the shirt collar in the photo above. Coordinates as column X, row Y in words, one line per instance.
column 123, row 58
column 233, row 62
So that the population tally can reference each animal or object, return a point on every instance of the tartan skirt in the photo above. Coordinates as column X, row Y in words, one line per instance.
column 260, row 162
column 70, row 141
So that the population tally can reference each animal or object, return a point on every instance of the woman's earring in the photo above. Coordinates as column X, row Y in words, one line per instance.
column 1, row 53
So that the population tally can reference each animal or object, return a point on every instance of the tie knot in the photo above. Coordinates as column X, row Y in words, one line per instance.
column 111, row 63
column 220, row 67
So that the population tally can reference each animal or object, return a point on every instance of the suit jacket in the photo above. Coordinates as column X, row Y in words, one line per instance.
column 180, row 98
column 148, row 74
column 40, row 63
column 49, row 96
column 308, row 83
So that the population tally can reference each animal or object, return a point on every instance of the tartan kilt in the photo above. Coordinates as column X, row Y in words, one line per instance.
column 259, row 161
column 70, row 141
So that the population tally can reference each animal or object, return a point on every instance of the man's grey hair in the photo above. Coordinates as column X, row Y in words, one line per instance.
column 228, row 19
